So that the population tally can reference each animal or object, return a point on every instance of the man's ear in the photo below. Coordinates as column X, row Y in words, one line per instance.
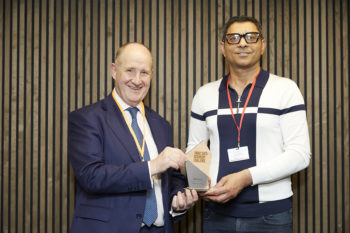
column 222, row 46
column 113, row 70
column 263, row 46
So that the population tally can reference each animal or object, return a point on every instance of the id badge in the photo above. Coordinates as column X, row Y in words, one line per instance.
column 238, row 154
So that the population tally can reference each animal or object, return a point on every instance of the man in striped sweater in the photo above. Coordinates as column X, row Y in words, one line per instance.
column 256, row 124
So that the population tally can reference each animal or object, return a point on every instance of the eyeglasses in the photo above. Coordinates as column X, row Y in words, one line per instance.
column 250, row 37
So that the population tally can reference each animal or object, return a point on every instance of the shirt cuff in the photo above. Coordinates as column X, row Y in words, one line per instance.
column 175, row 214
column 149, row 172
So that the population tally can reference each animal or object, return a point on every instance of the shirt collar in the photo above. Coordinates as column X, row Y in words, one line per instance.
column 123, row 104
column 260, row 81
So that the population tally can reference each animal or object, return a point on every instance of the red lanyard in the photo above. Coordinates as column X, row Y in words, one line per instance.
column 245, row 106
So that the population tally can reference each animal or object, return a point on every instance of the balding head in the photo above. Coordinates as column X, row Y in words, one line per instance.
column 131, row 46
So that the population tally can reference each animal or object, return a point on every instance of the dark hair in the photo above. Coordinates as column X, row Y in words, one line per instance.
column 241, row 19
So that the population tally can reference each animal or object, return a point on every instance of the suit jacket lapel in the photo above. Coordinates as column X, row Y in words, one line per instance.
column 156, row 133
column 116, row 122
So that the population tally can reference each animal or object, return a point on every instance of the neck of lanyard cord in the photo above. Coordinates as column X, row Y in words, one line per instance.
column 244, row 108
column 141, row 149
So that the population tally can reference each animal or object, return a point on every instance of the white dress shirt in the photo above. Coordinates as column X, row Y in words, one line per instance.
column 153, row 153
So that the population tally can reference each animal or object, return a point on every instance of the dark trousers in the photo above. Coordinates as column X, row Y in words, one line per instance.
column 273, row 223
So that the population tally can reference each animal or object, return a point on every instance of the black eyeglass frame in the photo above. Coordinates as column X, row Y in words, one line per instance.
column 244, row 35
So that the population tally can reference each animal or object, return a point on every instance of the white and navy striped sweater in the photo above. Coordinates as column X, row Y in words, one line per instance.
column 274, row 129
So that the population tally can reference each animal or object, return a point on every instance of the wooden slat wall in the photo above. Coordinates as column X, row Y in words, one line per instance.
column 55, row 57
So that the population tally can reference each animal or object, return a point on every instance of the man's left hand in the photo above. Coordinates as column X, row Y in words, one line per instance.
column 185, row 200
column 228, row 187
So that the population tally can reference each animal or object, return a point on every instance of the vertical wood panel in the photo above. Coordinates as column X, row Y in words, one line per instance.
column 2, row 85
column 323, row 116
column 55, row 57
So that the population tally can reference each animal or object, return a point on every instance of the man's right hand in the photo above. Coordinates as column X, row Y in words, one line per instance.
column 168, row 158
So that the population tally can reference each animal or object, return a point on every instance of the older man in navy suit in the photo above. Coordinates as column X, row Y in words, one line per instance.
column 122, row 154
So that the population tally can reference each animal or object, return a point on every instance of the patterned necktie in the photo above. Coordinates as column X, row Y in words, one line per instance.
column 150, row 214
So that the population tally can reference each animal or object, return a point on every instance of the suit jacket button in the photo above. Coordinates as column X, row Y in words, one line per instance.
column 139, row 216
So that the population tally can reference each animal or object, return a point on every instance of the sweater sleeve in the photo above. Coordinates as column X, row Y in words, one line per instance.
column 198, row 131
column 295, row 154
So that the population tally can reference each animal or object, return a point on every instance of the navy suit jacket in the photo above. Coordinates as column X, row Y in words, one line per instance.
column 111, row 179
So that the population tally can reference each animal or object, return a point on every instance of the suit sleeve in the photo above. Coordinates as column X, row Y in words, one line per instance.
column 177, row 182
column 93, row 173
